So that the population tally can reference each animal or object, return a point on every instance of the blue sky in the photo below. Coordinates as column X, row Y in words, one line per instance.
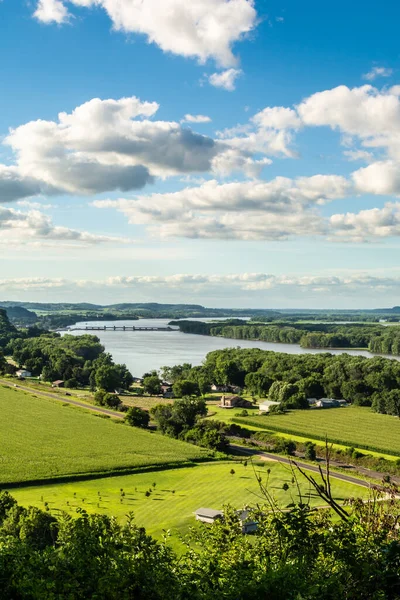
column 228, row 152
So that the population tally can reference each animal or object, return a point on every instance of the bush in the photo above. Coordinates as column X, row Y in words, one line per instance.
column 137, row 417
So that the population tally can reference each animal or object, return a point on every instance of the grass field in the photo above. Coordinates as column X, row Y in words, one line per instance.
column 351, row 426
column 43, row 439
column 178, row 493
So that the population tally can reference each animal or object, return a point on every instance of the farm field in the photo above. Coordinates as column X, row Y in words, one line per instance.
column 178, row 493
column 351, row 426
column 42, row 439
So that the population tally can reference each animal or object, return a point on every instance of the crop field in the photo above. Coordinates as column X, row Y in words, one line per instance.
column 43, row 439
column 351, row 426
column 177, row 493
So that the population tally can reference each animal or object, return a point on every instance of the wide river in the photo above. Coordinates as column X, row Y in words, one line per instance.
column 144, row 351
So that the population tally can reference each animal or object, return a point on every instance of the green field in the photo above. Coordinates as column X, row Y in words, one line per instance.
column 351, row 426
column 209, row 485
column 43, row 439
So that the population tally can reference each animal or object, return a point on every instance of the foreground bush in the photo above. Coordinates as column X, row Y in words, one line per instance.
column 296, row 554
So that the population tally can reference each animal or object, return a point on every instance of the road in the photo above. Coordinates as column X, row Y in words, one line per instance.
column 64, row 399
column 305, row 466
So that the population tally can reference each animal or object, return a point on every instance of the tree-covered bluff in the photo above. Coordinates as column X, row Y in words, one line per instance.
column 373, row 337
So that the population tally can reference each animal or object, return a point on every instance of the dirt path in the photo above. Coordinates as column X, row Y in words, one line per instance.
column 287, row 461
column 64, row 399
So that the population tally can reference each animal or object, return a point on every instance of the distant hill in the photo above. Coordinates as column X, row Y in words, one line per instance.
column 7, row 330
column 21, row 315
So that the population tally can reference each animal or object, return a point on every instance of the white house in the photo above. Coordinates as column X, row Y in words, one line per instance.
column 22, row 373
column 266, row 405
column 208, row 515
column 329, row 403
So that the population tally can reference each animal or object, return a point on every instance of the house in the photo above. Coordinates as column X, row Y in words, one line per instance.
column 208, row 515
column 247, row 523
column 234, row 402
column 327, row 403
column 22, row 373
column 59, row 383
column 311, row 401
column 266, row 405
column 220, row 388
column 166, row 390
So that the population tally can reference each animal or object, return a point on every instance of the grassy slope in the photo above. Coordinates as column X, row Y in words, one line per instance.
column 41, row 439
column 352, row 426
column 209, row 485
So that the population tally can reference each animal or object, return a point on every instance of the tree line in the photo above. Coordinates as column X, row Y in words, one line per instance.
column 375, row 338
column 293, row 378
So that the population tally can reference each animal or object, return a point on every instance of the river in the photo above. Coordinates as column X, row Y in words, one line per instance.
column 144, row 351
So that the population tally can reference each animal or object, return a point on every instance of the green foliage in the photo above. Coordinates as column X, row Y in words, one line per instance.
column 152, row 385
column 104, row 398
column 294, row 554
column 137, row 417
column 309, row 451
column 173, row 419
column 185, row 387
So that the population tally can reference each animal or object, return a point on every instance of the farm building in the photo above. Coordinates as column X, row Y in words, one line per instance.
column 220, row 388
column 266, row 405
column 22, row 373
column 234, row 402
column 330, row 403
column 59, row 383
column 208, row 515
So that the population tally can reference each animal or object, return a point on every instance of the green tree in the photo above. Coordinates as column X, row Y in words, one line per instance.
column 137, row 417
column 185, row 387
column 152, row 385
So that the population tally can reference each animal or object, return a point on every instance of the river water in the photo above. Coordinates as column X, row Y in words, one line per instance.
column 144, row 351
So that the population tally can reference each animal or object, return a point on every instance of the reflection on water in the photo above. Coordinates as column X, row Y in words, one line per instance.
column 143, row 351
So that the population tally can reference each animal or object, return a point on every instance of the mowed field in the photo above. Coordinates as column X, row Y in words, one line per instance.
column 42, row 439
column 177, row 494
column 350, row 426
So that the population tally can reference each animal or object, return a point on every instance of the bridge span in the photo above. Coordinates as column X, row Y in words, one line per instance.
column 119, row 328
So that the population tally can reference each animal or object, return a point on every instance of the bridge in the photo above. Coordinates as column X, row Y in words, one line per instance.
column 119, row 328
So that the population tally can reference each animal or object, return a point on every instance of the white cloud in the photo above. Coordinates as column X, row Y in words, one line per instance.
column 277, row 117
column 102, row 145
column 225, row 79
column 380, row 178
column 251, row 210
column 195, row 119
column 368, row 225
column 51, row 11
column 377, row 72
column 205, row 29
column 20, row 228
column 258, row 284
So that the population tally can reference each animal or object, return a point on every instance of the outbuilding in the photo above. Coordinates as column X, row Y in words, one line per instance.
column 59, row 383
column 208, row 515
column 234, row 402
column 22, row 373
column 266, row 405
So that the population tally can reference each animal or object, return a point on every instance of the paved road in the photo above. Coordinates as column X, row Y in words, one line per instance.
column 305, row 466
column 64, row 399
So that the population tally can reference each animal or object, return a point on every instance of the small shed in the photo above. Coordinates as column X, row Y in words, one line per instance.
column 220, row 388
column 22, row 373
column 234, row 402
column 266, row 405
column 247, row 522
column 327, row 403
column 59, row 383
column 208, row 515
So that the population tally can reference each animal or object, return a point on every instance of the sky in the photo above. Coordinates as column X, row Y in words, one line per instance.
column 233, row 153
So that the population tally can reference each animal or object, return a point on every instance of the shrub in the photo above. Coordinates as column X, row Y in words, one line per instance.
column 137, row 417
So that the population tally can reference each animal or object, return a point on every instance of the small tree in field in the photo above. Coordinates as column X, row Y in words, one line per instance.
column 137, row 417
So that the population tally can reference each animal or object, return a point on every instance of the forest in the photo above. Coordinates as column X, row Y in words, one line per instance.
column 373, row 337
column 292, row 378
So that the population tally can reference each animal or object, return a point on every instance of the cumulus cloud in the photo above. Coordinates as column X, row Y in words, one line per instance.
column 100, row 146
column 251, row 210
column 195, row 119
column 51, row 11
column 367, row 225
column 17, row 227
column 377, row 72
column 257, row 284
column 202, row 30
column 225, row 79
